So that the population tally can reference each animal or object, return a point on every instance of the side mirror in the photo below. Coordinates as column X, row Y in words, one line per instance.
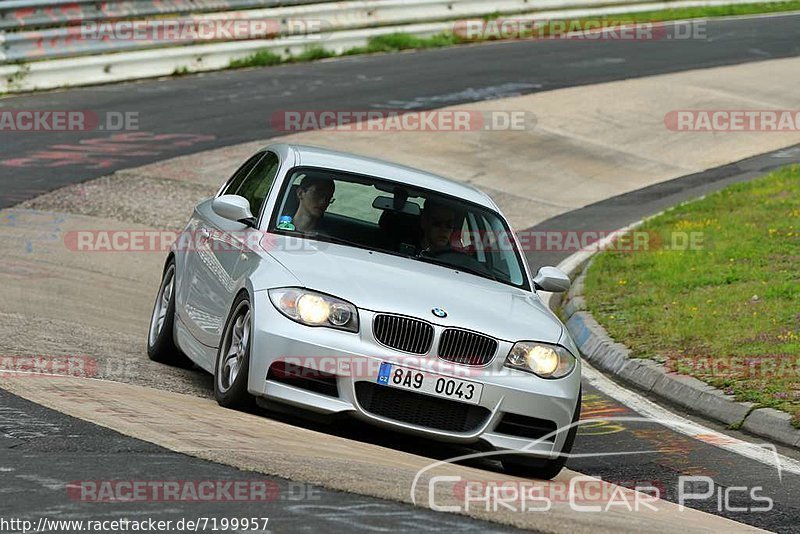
column 552, row 280
column 233, row 208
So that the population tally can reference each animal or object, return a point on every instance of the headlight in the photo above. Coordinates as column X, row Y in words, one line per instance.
column 541, row 359
column 315, row 309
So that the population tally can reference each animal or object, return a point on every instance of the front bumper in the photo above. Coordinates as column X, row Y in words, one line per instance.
column 354, row 361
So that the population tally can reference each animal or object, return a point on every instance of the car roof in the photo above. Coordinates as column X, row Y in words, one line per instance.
column 341, row 161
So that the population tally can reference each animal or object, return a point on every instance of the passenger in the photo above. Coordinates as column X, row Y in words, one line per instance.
column 438, row 222
column 314, row 195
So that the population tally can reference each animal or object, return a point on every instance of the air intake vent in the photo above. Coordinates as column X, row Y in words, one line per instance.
column 526, row 427
column 403, row 333
column 304, row 378
column 420, row 410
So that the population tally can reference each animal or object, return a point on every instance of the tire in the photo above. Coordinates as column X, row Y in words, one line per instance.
column 545, row 469
column 232, row 365
column 161, row 345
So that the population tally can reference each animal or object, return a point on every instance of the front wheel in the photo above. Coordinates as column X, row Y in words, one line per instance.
column 161, row 346
column 545, row 469
column 233, row 358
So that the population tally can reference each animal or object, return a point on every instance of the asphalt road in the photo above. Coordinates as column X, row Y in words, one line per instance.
column 48, row 462
column 232, row 107
column 185, row 115
column 44, row 451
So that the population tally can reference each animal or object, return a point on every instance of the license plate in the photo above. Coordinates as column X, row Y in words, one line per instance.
column 430, row 384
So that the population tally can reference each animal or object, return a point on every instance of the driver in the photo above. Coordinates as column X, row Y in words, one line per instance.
column 438, row 222
column 314, row 194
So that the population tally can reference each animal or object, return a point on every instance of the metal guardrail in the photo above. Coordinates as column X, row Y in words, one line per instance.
column 22, row 14
column 68, row 30
column 100, row 36
column 372, row 18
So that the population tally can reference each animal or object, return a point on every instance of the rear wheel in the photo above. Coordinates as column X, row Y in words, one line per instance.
column 161, row 345
column 233, row 358
column 540, row 468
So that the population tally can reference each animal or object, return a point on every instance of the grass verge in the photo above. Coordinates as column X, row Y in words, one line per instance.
column 396, row 42
column 710, row 11
column 724, row 311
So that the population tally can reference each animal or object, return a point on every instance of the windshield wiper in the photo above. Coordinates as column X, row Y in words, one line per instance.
column 337, row 240
column 476, row 272
column 342, row 241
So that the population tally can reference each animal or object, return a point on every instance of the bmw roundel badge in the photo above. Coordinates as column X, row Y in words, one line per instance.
column 439, row 312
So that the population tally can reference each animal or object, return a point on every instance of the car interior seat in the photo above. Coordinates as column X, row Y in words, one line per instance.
column 400, row 229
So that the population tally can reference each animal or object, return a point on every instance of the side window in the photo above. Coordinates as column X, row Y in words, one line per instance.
column 238, row 177
column 256, row 186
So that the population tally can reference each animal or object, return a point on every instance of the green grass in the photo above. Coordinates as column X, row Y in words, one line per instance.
column 313, row 53
column 492, row 16
column 403, row 41
column 734, row 302
column 262, row 58
column 396, row 42
column 711, row 11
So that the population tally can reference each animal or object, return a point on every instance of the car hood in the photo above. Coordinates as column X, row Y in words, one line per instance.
column 386, row 283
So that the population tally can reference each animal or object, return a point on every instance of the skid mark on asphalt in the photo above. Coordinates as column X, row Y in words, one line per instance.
column 18, row 425
column 675, row 452
column 105, row 152
column 383, row 518
column 493, row 92
column 610, row 426
column 764, row 453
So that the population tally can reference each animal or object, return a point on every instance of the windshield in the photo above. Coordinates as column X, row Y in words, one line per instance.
column 422, row 225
